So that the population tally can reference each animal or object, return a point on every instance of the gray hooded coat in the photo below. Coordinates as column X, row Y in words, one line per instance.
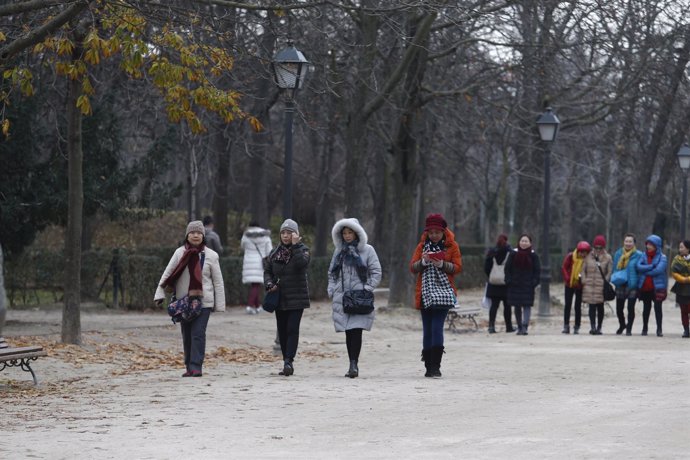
column 349, row 278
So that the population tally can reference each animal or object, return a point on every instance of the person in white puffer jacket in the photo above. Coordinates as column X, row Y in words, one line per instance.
column 256, row 244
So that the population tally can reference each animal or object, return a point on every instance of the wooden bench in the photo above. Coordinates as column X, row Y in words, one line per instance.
column 21, row 357
column 459, row 312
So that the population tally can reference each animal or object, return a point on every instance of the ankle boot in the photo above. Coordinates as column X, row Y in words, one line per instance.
column 354, row 370
column 576, row 330
column 426, row 357
column 644, row 329
column 658, row 332
column 566, row 329
column 686, row 332
column 492, row 328
column 288, row 370
column 621, row 329
column 524, row 329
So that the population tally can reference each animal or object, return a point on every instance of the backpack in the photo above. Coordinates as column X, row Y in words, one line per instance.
column 498, row 274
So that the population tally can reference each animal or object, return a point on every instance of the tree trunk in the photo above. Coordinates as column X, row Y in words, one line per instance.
column 71, row 323
column 222, row 148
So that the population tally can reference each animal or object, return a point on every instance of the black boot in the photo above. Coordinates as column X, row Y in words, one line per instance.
column 436, row 357
column 426, row 357
column 566, row 329
column 354, row 370
column 686, row 332
column 658, row 332
column 288, row 370
column 492, row 328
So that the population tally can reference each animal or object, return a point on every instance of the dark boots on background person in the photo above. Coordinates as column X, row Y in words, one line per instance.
column 433, row 362
column 566, row 329
column 686, row 332
column 492, row 328
column 353, row 371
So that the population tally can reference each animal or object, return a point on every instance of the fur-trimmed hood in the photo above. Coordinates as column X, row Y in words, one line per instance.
column 353, row 224
column 256, row 232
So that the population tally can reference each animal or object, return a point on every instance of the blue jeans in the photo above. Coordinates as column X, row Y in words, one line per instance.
column 433, row 321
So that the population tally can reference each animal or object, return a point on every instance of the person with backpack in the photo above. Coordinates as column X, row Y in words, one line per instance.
column 494, row 267
column 256, row 244
column 572, row 274
column 354, row 266
column 194, row 272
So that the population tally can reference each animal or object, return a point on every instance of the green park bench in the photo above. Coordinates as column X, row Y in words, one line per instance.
column 21, row 357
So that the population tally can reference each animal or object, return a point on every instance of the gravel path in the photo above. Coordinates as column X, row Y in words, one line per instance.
column 546, row 395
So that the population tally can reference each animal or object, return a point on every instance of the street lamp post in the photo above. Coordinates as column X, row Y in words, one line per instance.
column 289, row 71
column 684, row 162
column 548, row 130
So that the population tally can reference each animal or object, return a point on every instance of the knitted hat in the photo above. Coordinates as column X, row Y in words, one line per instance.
column 583, row 246
column 435, row 222
column 289, row 224
column 195, row 226
column 599, row 240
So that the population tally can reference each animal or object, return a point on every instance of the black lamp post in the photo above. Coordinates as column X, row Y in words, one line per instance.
column 548, row 130
column 684, row 162
column 289, row 71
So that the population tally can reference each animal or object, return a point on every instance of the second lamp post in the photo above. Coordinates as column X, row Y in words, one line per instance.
column 548, row 130
column 289, row 70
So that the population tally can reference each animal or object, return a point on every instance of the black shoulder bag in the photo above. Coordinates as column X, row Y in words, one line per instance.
column 609, row 291
column 356, row 301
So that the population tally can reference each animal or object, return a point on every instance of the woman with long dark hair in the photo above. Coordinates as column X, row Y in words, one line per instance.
column 522, row 277
column 194, row 271
column 494, row 267
column 354, row 266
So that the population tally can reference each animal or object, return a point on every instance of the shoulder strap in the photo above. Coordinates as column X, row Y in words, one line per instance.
column 257, row 248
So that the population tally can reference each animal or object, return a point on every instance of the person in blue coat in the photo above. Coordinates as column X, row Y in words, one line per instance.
column 653, row 281
column 625, row 278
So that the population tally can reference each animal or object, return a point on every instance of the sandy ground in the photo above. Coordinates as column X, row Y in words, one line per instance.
column 546, row 395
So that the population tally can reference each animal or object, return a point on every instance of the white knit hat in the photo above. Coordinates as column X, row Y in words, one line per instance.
column 195, row 226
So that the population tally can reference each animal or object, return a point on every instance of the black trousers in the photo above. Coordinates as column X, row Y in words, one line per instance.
column 569, row 294
column 353, row 340
column 288, row 331
column 620, row 311
column 495, row 303
column 596, row 311
column 194, row 340
column 648, row 298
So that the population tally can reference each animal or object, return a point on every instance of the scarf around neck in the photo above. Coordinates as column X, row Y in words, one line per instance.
column 189, row 260
column 523, row 258
column 349, row 255
column 576, row 269
column 625, row 258
column 282, row 254
column 681, row 265
column 431, row 247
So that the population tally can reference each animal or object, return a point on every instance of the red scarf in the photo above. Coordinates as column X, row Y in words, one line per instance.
column 190, row 259
column 523, row 258
column 648, row 284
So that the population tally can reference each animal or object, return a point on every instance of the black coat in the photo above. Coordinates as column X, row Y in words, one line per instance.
column 495, row 291
column 522, row 282
column 293, row 285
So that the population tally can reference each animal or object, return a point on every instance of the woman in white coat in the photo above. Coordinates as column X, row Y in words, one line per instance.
column 256, row 244
column 354, row 266
column 194, row 270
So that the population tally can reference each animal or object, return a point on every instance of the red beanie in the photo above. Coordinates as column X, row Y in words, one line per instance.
column 435, row 221
column 599, row 240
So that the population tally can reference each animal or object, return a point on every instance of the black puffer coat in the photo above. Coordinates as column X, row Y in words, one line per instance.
column 522, row 282
column 293, row 285
column 495, row 291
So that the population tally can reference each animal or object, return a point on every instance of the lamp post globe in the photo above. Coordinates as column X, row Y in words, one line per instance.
column 290, row 69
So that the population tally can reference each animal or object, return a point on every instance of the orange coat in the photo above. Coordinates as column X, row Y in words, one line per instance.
column 452, row 267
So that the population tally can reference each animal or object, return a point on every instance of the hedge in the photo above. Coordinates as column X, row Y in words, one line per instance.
column 43, row 272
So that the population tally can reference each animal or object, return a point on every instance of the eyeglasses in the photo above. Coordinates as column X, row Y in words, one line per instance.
column 599, row 247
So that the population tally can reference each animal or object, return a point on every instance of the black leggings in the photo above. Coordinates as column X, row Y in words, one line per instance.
column 569, row 294
column 495, row 303
column 648, row 298
column 620, row 312
column 596, row 311
column 353, row 340
column 288, row 331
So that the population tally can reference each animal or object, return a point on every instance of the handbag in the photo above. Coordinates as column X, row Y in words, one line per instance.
column 358, row 302
column 271, row 301
column 619, row 277
column 609, row 291
column 486, row 301
column 497, row 276
column 660, row 295
column 185, row 309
